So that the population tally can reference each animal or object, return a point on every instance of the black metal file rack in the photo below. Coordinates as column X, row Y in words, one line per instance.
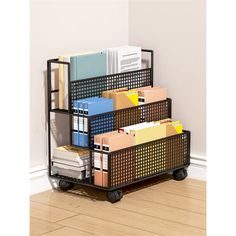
column 129, row 165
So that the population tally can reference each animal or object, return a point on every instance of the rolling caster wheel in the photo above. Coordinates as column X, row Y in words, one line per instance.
column 115, row 196
column 65, row 185
column 180, row 174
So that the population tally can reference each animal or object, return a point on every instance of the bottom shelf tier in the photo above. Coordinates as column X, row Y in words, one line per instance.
column 90, row 184
column 138, row 163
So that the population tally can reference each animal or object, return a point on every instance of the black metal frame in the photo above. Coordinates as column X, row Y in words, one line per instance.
column 69, row 112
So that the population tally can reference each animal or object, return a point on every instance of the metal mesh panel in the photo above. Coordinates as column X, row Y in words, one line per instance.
column 95, row 86
column 122, row 169
column 138, row 162
column 101, row 124
column 111, row 121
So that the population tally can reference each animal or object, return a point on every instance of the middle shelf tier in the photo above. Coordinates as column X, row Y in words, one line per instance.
column 111, row 121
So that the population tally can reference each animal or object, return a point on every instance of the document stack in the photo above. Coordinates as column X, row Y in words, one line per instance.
column 70, row 161
column 123, row 59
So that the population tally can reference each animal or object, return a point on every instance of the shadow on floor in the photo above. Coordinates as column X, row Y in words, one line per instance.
column 99, row 195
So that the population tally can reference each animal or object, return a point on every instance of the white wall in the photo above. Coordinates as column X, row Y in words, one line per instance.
column 59, row 27
column 175, row 30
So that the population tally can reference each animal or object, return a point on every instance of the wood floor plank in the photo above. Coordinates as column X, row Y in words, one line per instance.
column 38, row 227
column 163, row 212
column 171, row 200
column 57, row 199
column 102, row 227
column 181, row 190
column 195, row 182
column 170, row 208
column 48, row 213
column 65, row 231
column 185, row 184
column 112, row 213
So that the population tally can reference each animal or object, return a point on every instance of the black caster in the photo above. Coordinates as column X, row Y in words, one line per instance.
column 115, row 196
column 65, row 185
column 180, row 174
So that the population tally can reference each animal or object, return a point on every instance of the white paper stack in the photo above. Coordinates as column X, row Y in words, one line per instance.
column 123, row 59
column 71, row 162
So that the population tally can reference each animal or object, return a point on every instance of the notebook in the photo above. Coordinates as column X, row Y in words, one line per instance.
column 82, row 66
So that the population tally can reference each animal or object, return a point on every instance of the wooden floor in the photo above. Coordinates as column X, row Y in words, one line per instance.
column 156, row 207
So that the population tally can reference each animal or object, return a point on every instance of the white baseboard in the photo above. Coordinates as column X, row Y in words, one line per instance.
column 39, row 180
column 197, row 168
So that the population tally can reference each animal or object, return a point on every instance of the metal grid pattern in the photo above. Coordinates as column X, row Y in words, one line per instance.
column 95, row 86
column 111, row 121
column 103, row 123
column 122, row 167
column 152, row 158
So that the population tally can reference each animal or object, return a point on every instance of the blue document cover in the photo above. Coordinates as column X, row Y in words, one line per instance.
column 91, row 65
column 95, row 107
column 88, row 65
column 89, row 107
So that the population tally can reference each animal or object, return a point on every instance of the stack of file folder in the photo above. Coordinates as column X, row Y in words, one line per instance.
column 147, row 132
column 106, row 143
column 123, row 98
column 147, row 95
column 150, row 131
column 81, row 110
column 128, row 137
column 150, row 94
column 72, row 162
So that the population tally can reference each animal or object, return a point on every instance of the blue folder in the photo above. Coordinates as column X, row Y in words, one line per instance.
column 88, row 65
column 77, row 124
column 88, row 107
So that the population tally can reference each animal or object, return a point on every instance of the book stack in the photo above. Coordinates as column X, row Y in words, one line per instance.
column 70, row 161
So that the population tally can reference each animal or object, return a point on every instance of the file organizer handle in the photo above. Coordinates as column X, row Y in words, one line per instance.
column 49, row 94
column 152, row 62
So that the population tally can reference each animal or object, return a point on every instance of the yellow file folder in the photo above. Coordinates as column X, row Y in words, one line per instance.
column 144, row 135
